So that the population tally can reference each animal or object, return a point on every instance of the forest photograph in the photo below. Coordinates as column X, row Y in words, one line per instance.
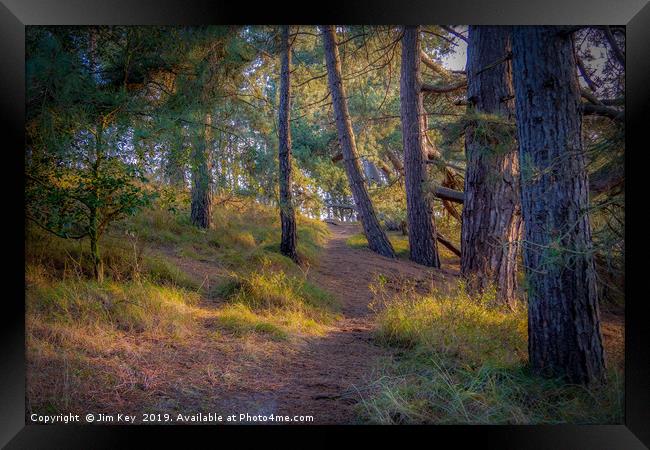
column 324, row 224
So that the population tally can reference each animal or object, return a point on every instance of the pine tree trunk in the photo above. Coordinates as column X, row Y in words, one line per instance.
column 563, row 319
column 201, row 213
column 175, row 167
column 419, row 205
column 491, row 218
column 287, row 213
column 93, row 234
column 377, row 239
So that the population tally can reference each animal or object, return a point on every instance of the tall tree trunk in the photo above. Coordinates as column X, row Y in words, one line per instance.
column 201, row 214
column 287, row 213
column 491, row 218
column 563, row 319
column 419, row 205
column 175, row 164
column 377, row 240
column 93, row 217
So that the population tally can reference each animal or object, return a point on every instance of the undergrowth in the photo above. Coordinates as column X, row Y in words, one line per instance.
column 463, row 359
column 137, row 257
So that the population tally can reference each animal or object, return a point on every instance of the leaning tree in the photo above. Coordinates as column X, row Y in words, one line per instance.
column 377, row 239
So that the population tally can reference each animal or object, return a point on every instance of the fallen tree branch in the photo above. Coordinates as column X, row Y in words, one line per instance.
column 335, row 205
column 589, row 109
column 454, row 32
column 431, row 64
column 425, row 87
column 451, row 195
column 585, row 74
column 618, row 53
column 447, row 243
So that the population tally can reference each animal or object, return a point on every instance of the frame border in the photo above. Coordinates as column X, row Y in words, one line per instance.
column 16, row 14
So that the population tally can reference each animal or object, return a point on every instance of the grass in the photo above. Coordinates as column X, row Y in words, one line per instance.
column 90, row 344
column 129, row 306
column 289, row 303
column 398, row 240
column 241, row 233
column 462, row 359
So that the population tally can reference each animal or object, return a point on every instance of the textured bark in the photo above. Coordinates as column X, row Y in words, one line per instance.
column 287, row 213
column 563, row 319
column 377, row 240
column 491, row 218
column 419, row 206
column 201, row 213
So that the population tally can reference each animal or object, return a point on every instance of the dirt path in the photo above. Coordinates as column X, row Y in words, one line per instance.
column 316, row 376
column 324, row 375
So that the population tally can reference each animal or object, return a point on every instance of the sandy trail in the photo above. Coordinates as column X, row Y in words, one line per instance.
column 324, row 375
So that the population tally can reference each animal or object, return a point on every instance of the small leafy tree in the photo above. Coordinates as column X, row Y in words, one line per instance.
column 82, row 171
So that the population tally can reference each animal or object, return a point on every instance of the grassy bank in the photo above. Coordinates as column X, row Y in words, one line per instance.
column 168, row 286
column 461, row 359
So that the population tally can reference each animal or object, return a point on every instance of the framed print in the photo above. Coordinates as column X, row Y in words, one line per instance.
column 390, row 220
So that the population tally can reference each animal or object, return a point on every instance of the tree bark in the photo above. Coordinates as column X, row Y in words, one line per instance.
column 419, row 206
column 93, row 217
column 377, row 239
column 563, row 319
column 201, row 213
column 287, row 213
column 491, row 218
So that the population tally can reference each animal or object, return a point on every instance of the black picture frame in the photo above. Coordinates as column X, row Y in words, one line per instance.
column 16, row 14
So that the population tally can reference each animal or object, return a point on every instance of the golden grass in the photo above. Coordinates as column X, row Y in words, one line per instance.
column 400, row 244
column 463, row 359
column 131, row 336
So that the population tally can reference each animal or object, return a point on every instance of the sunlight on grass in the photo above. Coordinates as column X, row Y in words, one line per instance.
column 462, row 359
column 289, row 302
column 132, row 306
column 398, row 240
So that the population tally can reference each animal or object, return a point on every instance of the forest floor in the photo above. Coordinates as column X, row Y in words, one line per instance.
column 319, row 376
column 212, row 370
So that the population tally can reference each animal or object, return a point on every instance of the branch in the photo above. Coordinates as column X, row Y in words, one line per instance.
column 585, row 74
column 63, row 235
column 441, row 163
column 447, row 243
column 590, row 97
column 615, row 48
column 603, row 110
column 454, row 32
column 335, row 205
column 431, row 64
column 449, row 194
column 425, row 87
